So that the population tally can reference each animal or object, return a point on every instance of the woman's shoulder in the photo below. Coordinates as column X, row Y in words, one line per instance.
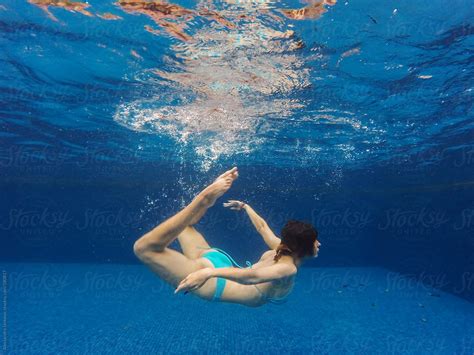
column 269, row 252
column 264, row 259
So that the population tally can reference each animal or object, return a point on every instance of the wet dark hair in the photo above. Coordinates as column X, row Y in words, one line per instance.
column 297, row 239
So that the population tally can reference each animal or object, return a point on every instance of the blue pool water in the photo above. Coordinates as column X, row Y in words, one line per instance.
column 356, row 116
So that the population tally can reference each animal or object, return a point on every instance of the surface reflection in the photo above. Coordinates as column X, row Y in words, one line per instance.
column 240, row 71
column 235, row 65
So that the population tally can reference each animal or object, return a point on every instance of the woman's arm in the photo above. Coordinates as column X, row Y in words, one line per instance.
column 243, row 276
column 259, row 223
column 262, row 227
column 255, row 276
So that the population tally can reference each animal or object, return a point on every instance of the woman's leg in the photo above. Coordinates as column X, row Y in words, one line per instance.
column 152, row 248
column 192, row 243
column 162, row 235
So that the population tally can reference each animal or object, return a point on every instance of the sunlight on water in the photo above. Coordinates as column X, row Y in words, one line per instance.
column 310, row 83
column 237, row 78
column 235, row 74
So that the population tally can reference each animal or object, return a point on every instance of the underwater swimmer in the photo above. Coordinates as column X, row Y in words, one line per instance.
column 209, row 272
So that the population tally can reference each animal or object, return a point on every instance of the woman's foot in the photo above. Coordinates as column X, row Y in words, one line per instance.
column 223, row 183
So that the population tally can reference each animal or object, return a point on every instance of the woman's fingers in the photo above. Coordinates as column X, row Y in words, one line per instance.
column 232, row 207
column 186, row 288
column 231, row 203
column 182, row 285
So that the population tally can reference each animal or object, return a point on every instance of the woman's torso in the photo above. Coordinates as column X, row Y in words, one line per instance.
column 249, row 295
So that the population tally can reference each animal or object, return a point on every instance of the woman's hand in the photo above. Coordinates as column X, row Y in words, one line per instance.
column 234, row 205
column 194, row 280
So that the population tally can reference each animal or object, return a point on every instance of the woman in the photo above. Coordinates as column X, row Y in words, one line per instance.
column 208, row 272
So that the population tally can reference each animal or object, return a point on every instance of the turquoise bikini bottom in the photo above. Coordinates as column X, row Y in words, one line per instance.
column 219, row 258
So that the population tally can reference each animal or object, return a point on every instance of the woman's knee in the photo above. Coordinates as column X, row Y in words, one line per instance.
column 138, row 248
column 142, row 248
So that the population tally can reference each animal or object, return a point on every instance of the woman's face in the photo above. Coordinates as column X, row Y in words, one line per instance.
column 317, row 244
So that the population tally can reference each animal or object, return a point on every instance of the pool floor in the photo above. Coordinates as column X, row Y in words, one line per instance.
column 106, row 308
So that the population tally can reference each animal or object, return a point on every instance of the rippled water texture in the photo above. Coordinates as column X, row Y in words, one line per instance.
column 291, row 83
